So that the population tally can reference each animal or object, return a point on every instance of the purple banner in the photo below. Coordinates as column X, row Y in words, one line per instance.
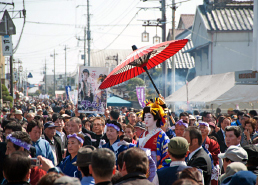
column 140, row 91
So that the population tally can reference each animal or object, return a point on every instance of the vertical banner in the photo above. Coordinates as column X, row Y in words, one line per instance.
column 91, row 99
column 67, row 91
column 140, row 91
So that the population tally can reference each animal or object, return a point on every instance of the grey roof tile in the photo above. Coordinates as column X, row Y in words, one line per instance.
column 228, row 18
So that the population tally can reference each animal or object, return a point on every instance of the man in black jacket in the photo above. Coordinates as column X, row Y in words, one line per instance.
column 96, row 136
column 75, row 126
column 135, row 166
column 221, row 134
column 198, row 157
column 54, row 141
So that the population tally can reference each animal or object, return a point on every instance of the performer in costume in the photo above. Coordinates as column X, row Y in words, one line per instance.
column 75, row 142
column 113, row 129
column 155, row 138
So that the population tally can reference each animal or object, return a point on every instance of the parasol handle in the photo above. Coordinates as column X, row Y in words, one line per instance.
column 146, row 70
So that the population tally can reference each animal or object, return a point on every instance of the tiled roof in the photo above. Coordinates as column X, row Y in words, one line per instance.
column 187, row 20
column 228, row 18
column 177, row 32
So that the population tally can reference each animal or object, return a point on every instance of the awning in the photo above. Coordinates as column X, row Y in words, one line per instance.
column 215, row 89
column 118, row 102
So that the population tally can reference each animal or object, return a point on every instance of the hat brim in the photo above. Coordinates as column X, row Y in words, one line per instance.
column 65, row 116
column 50, row 127
column 81, row 164
column 221, row 156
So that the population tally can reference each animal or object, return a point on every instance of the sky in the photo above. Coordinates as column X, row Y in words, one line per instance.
column 53, row 24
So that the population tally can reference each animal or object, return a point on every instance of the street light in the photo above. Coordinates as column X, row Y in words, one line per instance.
column 145, row 36
column 156, row 39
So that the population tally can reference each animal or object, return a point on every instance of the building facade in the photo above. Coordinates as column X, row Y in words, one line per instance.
column 222, row 37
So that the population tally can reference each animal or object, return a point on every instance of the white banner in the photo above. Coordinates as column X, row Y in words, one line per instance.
column 90, row 98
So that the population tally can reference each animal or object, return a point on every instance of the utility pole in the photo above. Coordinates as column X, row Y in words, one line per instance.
column 88, row 31
column 114, row 57
column 255, row 37
column 45, row 76
column 161, row 23
column 65, row 66
column 54, row 73
column 54, row 55
column 164, row 64
column 173, row 75
column 11, row 75
column 70, row 79
column 84, row 46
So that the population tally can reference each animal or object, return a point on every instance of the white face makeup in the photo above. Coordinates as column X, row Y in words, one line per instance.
column 149, row 121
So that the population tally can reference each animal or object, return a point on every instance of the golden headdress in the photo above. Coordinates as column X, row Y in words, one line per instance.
column 158, row 107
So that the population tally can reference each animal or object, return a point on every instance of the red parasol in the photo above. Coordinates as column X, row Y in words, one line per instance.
column 141, row 60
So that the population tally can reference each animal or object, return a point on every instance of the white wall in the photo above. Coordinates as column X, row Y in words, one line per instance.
column 232, row 56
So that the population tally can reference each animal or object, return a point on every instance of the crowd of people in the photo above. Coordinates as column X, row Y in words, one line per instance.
column 45, row 142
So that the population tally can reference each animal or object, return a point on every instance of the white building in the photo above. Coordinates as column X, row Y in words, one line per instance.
column 222, row 36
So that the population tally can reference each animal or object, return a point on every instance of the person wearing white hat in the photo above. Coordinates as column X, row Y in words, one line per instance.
column 192, row 120
column 18, row 116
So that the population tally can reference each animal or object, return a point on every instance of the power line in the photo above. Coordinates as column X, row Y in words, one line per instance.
column 74, row 25
column 120, row 32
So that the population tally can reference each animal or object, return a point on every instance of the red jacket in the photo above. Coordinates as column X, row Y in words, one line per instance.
column 36, row 174
column 213, row 148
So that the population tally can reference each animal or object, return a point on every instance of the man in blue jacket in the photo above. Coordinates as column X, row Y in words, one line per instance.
column 34, row 129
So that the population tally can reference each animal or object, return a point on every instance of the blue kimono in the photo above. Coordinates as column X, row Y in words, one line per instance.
column 68, row 168
column 116, row 149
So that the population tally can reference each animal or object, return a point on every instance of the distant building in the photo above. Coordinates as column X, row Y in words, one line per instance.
column 49, row 79
column 222, row 36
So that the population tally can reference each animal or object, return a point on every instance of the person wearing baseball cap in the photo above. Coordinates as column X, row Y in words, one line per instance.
column 233, row 154
column 232, row 168
column 177, row 149
column 54, row 140
column 82, row 162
